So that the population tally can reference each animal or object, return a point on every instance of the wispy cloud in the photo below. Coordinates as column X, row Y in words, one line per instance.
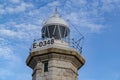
column 15, row 8
column 110, row 5
column 21, row 22
column 20, row 8
column 10, row 62
column 20, row 31
column 89, row 12
column 15, row 1
column 2, row 11
column 6, row 52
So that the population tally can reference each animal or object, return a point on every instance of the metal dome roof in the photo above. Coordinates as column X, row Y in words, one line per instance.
column 55, row 19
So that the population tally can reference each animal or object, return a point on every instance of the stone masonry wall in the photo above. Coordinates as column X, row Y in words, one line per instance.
column 57, row 70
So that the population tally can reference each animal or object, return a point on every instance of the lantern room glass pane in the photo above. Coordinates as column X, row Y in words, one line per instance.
column 56, row 31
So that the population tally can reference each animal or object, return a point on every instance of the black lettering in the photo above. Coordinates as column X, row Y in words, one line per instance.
column 48, row 42
column 52, row 41
column 44, row 43
column 34, row 45
column 40, row 44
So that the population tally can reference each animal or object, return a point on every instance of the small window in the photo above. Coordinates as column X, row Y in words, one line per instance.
column 45, row 66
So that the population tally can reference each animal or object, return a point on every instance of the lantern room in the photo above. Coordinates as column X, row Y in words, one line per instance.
column 55, row 27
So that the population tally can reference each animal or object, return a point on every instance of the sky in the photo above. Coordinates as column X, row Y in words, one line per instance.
column 98, row 20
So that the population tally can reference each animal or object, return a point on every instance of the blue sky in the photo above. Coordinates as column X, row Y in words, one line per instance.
column 97, row 20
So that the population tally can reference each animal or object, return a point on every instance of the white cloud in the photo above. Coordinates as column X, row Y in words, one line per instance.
column 12, row 34
column 76, row 11
column 6, row 53
column 19, row 8
column 110, row 5
column 2, row 10
column 15, row 1
column 26, row 31
column 8, row 32
column 92, row 26
column 82, row 13
column 27, row 26
column 9, row 61
column 54, row 4
column 81, row 21
column 7, row 56
column 78, row 3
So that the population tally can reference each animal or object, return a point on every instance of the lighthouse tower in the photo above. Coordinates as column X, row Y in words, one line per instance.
column 51, row 57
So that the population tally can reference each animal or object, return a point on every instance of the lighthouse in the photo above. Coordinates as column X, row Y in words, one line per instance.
column 52, row 57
